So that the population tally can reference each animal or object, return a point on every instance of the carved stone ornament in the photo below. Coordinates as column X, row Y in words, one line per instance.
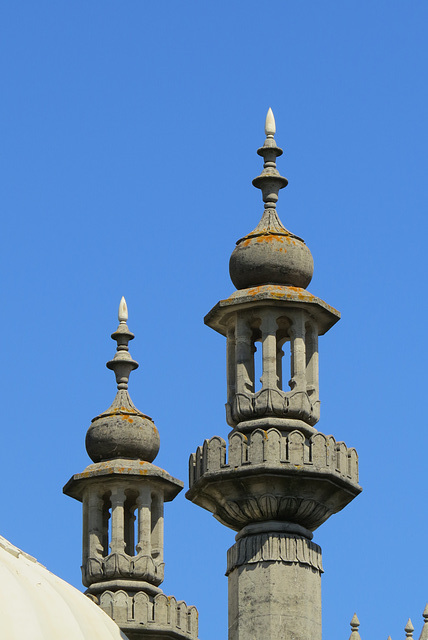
column 120, row 565
column 274, row 547
column 162, row 616
column 294, row 405
column 282, row 476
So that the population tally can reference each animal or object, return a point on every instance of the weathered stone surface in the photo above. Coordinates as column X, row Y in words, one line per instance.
column 269, row 257
column 274, row 547
column 123, row 497
column 273, row 476
column 279, row 479
column 272, row 320
column 274, row 598
column 104, row 474
column 140, row 615
column 122, row 432
column 270, row 253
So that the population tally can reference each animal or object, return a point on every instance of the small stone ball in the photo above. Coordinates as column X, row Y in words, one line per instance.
column 122, row 434
column 271, row 259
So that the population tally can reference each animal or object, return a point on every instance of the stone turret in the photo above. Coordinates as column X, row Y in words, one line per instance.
column 279, row 478
column 123, row 497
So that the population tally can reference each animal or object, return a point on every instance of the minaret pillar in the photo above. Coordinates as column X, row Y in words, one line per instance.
column 122, row 573
column 278, row 479
column 274, row 586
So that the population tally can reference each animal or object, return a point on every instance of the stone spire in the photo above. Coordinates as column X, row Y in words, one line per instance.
column 272, row 311
column 424, row 632
column 123, row 497
column 409, row 628
column 355, row 623
column 270, row 254
column 279, row 478
column 122, row 431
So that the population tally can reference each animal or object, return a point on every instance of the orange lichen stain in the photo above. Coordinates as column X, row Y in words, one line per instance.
column 302, row 294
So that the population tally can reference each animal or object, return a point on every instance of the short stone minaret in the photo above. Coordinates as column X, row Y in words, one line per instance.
column 279, row 479
column 123, row 495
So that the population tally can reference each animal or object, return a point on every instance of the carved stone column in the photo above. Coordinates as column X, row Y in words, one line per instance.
column 298, row 352
column 117, row 544
column 269, row 375
column 144, row 503
column 244, row 356
column 94, row 525
column 157, row 527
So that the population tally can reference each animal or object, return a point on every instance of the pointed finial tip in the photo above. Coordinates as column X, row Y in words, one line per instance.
column 270, row 128
column 409, row 628
column 123, row 310
column 355, row 622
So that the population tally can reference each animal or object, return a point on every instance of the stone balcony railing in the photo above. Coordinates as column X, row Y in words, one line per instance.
column 273, row 476
column 160, row 615
column 272, row 448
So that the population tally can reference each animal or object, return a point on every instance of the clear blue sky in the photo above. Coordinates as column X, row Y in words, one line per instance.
column 128, row 144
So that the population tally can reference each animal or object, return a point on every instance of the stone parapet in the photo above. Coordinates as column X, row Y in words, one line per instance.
column 271, row 447
column 269, row 475
column 160, row 616
column 274, row 547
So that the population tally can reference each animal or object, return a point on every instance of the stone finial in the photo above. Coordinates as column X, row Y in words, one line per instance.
column 123, row 311
column 270, row 254
column 355, row 623
column 122, row 363
column 122, row 431
column 270, row 181
column 424, row 632
column 270, row 127
column 409, row 628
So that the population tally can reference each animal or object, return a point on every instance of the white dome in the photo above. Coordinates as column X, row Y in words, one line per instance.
column 37, row 605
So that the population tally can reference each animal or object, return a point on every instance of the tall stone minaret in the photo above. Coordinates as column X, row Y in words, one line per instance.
column 123, row 495
column 279, row 478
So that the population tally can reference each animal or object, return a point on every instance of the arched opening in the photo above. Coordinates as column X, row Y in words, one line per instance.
column 283, row 353
column 258, row 365
column 130, row 523
column 106, row 524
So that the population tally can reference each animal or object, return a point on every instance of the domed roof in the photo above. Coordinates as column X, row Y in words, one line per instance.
column 270, row 254
column 37, row 605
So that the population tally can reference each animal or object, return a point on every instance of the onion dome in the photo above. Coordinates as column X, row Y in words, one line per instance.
column 122, row 431
column 270, row 254
column 35, row 603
